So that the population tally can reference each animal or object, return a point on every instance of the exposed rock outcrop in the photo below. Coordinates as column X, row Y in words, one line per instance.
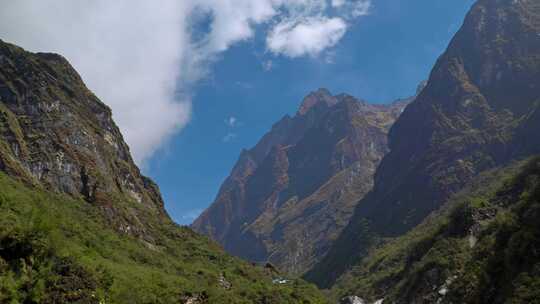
column 80, row 223
column 289, row 197
column 55, row 133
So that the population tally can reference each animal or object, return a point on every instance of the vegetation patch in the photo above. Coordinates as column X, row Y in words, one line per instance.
column 56, row 249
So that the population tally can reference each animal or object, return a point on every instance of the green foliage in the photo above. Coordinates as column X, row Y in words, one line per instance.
column 56, row 249
column 484, row 248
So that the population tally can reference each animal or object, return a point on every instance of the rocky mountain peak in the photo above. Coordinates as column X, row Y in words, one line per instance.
column 322, row 98
column 289, row 196
column 79, row 221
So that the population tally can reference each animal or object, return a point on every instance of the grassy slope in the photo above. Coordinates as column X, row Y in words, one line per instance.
column 54, row 248
column 503, row 266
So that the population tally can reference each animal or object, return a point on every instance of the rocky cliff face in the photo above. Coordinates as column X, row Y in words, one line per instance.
column 54, row 133
column 479, row 110
column 80, row 224
column 288, row 198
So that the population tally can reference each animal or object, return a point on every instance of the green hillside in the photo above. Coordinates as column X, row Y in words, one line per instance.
column 56, row 249
column 483, row 248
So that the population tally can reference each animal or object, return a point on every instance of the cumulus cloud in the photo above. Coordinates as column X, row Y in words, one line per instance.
column 308, row 29
column 142, row 58
column 295, row 27
column 307, row 37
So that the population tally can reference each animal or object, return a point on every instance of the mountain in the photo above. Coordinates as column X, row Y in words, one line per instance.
column 479, row 110
column 482, row 247
column 57, row 135
column 288, row 198
column 80, row 224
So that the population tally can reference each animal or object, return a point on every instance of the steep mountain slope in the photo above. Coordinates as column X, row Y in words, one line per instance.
column 482, row 248
column 56, row 134
column 80, row 224
column 478, row 110
column 288, row 198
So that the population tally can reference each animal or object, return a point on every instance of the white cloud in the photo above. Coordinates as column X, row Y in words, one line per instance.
column 297, row 27
column 351, row 9
column 142, row 58
column 233, row 20
column 307, row 37
column 128, row 53
column 229, row 137
column 330, row 57
column 231, row 121
column 338, row 3
column 268, row 65
column 307, row 28
column 360, row 8
column 191, row 215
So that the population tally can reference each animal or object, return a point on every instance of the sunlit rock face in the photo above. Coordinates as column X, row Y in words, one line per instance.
column 288, row 198
column 56, row 134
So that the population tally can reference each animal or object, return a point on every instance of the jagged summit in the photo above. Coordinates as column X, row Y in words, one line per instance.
column 289, row 196
column 320, row 98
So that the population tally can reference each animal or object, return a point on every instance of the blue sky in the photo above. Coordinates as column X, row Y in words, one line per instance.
column 383, row 56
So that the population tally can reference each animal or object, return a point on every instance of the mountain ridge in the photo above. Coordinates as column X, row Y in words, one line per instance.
column 474, row 114
column 81, row 224
column 303, row 173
